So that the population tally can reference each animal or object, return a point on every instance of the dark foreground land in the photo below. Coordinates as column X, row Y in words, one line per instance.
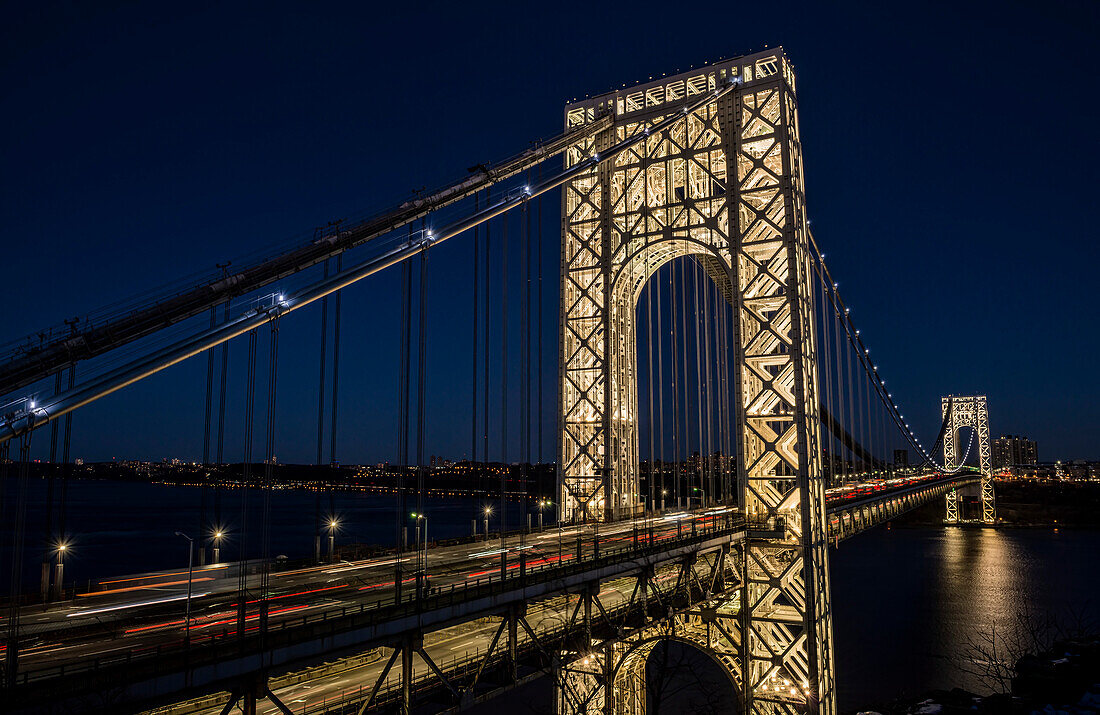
column 1064, row 678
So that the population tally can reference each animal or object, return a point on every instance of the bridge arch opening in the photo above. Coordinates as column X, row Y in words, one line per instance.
column 675, row 673
column 676, row 375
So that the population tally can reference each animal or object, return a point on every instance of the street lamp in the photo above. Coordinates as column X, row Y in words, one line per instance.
column 190, row 572
column 542, row 505
column 59, row 570
column 488, row 511
column 332, row 524
column 217, row 546
column 422, row 549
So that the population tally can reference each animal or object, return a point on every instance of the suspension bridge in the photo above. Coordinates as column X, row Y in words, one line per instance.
column 721, row 425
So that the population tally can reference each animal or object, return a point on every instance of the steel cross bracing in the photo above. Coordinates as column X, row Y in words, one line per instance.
column 973, row 412
column 725, row 183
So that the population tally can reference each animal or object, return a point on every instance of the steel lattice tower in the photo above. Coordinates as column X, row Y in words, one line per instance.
column 972, row 412
column 724, row 185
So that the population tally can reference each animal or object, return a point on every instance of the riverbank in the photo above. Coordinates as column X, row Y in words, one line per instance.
column 1028, row 504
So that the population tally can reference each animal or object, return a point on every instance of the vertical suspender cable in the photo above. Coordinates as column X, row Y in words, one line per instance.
column 538, row 350
column 48, row 535
column 503, row 381
column 660, row 390
column 650, row 285
column 320, row 425
column 66, row 470
column 403, row 415
column 696, row 318
column 220, row 455
column 729, row 315
column 675, row 370
column 707, row 292
column 421, row 363
column 851, row 403
column 525, row 246
column 684, row 382
column 719, row 386
column 336, row 299
column 650, row 477
column 269, row 466
column 473, row 362
column 887, row 439
column 335, row 369
column 860, row 423
column 827, row 439
column 870, row 427
column 488, row 323
column 838, row 366
column 204, row 519
column 249, row 415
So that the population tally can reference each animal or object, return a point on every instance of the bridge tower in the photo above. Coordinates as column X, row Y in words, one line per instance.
column 973, row 412
column 725, row 187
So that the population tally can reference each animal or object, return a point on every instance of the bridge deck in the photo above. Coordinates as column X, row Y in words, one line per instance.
column 338, row 610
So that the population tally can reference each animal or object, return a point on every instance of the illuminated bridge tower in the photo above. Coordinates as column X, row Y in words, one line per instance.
column 972, row 412
column 725, row 186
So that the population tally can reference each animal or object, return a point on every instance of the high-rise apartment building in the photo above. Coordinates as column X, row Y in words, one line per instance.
column 1012, row 450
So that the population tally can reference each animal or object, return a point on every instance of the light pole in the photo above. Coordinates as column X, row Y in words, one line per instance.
column 59, row 572
column 217, row 546
column 332, row 524
column 702, row 496
column 190, row 572
column 488, row 511
column 422, row 550
column 543, row 503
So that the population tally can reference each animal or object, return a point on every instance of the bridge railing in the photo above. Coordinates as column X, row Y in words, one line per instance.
column 176, row 655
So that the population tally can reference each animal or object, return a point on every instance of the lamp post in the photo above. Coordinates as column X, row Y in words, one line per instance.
column 543, row 503
column 217, row 546
column 59, row 570
column 422, row 551
column 190, row 573
column 332, row 524
column 488, row 511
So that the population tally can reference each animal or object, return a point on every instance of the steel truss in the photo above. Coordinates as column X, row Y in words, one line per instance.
column 522, row 648
column 702, row 608
column 973, row 412
column 726, row 184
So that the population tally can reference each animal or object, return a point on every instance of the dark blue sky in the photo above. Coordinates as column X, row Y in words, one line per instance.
column 950, row 152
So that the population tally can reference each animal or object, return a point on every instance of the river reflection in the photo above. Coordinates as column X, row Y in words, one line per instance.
column 905, row 601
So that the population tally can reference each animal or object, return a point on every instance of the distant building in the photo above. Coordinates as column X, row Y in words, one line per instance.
column 1013, row 450
column 901, row 457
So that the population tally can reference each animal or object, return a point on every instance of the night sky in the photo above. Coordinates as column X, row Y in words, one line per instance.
column 950, row 153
